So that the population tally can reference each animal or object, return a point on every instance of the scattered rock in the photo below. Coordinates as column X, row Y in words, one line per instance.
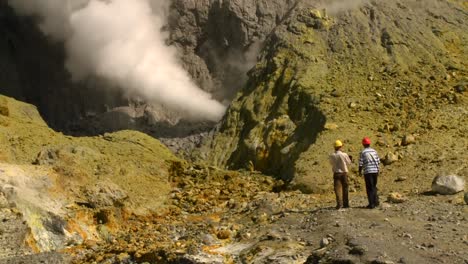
column 450, row 184
column 224, row 234
column 381, row 143
column 3, row 201
column 272, row 235
column 324, row 242
column 352, row 105
column 358, row 250
column 46, row 157
column 314, row 258
column 408, row 140
column 390, row 158
column 401, row 178
column 336, row 93
column 331, row 126
column 460, row 88
column 395, row 197
column 407, row 235
column 379, row 261
column 209, row 240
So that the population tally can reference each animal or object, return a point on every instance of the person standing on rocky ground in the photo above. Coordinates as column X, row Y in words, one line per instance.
column 369, row 164
column 340, row 161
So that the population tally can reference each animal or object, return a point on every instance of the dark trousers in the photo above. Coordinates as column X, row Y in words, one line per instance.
column 371, row 189
column 340, row 181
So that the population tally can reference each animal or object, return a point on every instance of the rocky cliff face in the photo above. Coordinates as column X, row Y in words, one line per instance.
column 221, row 39
column 385, row 70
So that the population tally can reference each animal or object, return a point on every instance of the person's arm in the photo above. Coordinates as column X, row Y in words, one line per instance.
column 347, row 159
column 361, row 163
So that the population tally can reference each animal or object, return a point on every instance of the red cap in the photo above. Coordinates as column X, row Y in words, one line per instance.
column 366, row 141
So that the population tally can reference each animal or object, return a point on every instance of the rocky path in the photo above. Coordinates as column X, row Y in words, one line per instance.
column 293, row 228
column 419, row 231
column 423, row 230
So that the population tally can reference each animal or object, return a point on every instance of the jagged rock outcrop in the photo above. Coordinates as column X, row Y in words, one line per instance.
column 385, row 69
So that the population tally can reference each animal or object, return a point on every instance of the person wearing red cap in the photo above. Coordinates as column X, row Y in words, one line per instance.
column 369, row 164
column 340, row 162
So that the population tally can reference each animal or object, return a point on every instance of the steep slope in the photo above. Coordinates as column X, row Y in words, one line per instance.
column 61, row 187
column 387, row 70
column 120, row 197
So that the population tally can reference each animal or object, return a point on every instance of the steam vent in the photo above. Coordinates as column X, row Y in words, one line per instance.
column 233, row 132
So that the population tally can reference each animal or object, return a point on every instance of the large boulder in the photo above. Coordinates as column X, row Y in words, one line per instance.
column 105, row 194
column 450, row 184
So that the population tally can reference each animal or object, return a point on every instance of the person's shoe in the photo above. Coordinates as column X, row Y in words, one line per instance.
column 338, row 207
column 370, row 206
column 346, row 206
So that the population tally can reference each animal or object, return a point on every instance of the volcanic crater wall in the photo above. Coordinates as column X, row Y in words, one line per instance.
column 377, row 68
column 218, row 42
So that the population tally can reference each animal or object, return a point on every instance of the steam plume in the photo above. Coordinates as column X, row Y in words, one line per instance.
column 336, row 6
column 122, row 41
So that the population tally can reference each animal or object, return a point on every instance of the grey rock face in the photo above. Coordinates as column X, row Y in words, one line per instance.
column 220, row 39
column 450, row 184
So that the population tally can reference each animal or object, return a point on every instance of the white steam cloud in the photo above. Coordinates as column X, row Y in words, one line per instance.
column 122, row 41
column 336, row 6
